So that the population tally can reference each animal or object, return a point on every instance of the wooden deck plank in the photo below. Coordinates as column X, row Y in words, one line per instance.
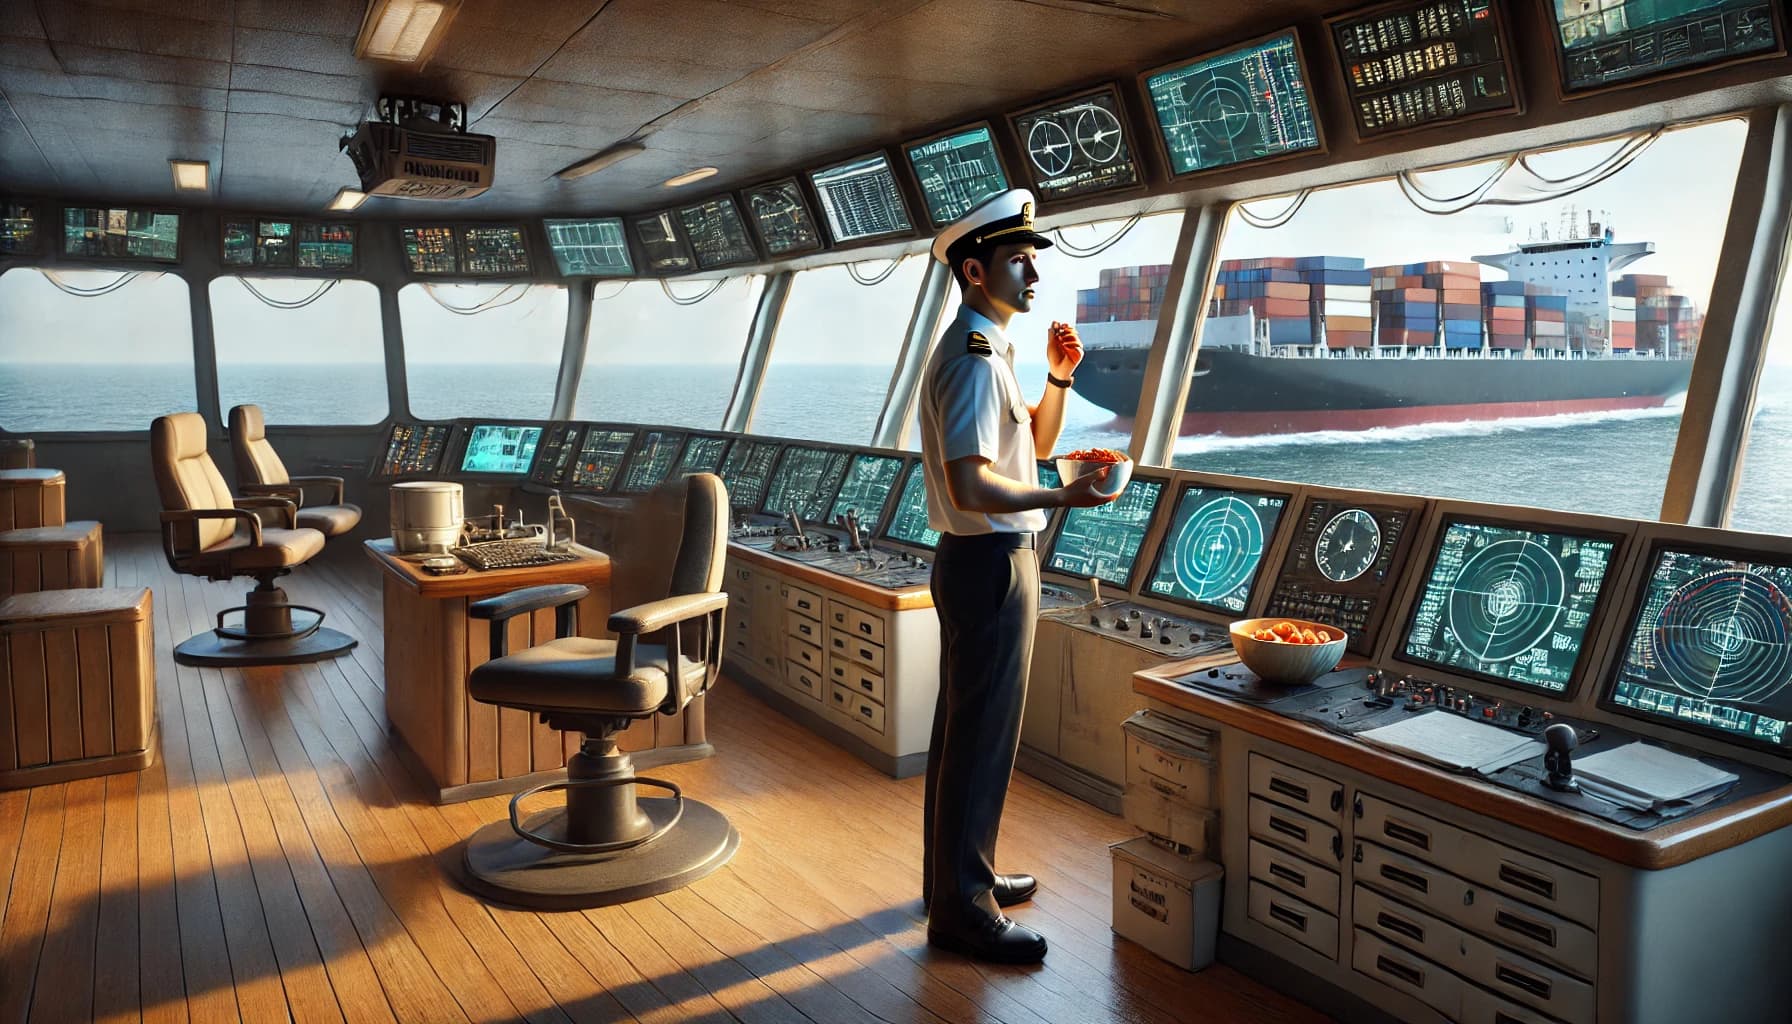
column 116, row 992
column 28, row 904
column 64, row 988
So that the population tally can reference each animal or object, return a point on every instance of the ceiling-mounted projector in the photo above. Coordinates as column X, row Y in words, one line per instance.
column 420, row 149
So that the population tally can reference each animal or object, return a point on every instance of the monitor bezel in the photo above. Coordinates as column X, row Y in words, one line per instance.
column 903, row 461
column 631, row 429
column 1162, row 145
column 747, row 232
column 908, row 162
column 777, row 446
column 434, row 470
column 1127, row 122
column 464, row 435
column 1566, row 93
column 1502, row 30
column 575, row 431
column 634, row 449
column 1153, row 527
column 777, row 464
column 294, row 270
column 633, row 221
column 628, row 246
column 883, row 534
column 821, row 218
column 180, row 233
column 821, row 235
column 1273, row 543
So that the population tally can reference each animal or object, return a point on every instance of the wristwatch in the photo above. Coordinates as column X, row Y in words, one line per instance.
column 1058, row 382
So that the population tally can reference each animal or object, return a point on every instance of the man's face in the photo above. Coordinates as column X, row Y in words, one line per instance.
column 1009, row 278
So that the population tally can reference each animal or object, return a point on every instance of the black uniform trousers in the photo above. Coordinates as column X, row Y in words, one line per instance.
column 986, row 593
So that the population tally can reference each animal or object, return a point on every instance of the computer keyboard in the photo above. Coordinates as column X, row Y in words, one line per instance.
column 510, row 554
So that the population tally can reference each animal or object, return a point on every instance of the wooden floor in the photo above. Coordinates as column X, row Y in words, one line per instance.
column 277, row 859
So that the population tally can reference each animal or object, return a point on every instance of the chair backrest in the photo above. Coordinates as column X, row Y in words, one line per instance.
column 703, row 551
column 187, row 479
column 256, row 461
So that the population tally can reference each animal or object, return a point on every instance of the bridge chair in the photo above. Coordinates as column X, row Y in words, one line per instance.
column 606, row 845
column 260, row 473
column 206, row 532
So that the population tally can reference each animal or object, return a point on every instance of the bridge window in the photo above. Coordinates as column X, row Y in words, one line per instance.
column 1392, row 359
column 305, row 350
column 654, row 355
column 1764, row 493
column 93, row 349
column 482, row 349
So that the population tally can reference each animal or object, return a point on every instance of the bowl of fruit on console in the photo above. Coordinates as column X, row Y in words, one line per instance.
column 1293, row 652
column 1085, row 461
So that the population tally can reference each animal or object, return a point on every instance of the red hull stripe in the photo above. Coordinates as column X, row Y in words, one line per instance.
column 1299, row 421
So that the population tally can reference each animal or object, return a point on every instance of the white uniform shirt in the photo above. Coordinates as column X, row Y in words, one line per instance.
column 971, row 404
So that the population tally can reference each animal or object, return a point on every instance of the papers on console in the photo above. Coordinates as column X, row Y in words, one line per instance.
column 1644, row 776
column 1455, row 742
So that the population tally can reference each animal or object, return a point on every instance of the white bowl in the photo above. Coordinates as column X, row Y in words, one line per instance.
column 1288, row 664
column 1071, row 469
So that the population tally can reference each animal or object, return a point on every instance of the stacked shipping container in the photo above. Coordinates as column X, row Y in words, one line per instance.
column 1124, row 293
column 1658, row 319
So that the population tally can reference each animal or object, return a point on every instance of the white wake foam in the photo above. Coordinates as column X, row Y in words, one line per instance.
column 1203, row 443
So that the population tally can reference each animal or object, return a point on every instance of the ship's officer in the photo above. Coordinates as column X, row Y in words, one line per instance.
column 979, row 439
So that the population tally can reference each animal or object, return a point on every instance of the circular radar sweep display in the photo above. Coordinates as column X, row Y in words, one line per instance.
column 1048, row 146
column 1726, row 636
column 1506, row 599
column 1218, row 549
column 1098, row 134
column 1221, row 109
column 1347, row 546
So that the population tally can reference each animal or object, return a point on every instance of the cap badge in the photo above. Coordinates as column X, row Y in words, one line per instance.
column 1026, row 215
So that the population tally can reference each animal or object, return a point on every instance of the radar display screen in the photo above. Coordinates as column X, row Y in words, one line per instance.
column 499, row 448
column 18, row 228
column 701, row 455
column 1509, row 604
column 1248, row 103
column 1211, row 553
column 1626, row 40
column 599, row 458
column 804, row 483
column 1711, row 646
column 494, row 249
column 748, row 467
column 1078, row 145
column 908, row 523
column 1423, row 63
column 121, row 234
column 558, row 445
column 430, row 250
column 414, row 448
column 956, row 172
column 326, row 246
column 651, row 460
column 663, row 246
column 866, row 489
column 782, row 217
column 1103, row 542
column 860, row 199
column 717, row 233
column 1341, row 564
column 589, row 248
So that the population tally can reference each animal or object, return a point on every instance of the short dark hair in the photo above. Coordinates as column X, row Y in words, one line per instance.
column 966, row 249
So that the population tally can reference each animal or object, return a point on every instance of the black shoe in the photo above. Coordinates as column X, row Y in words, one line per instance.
column 1000, row 941
column 1009, row 890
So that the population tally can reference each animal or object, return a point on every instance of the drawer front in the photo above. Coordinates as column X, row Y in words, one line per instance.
column 840, row 616
column 1195, row 828
column 1295, row 876
column 806, row 655
column 1524, row 876
column 864, row 652
column 806, row 603
column 856, row 677
column 1292, row 787
column 1480, row 1007
column 740, row 643
column 1309, row 837
column 1411, row 974
column 803, row 681
column 738, row 580
column 806, row 630
column 841, row 700
column 1184, row 779
column 1431, row 937
column 868, row 713
column 1315, row 929
column 866, row 626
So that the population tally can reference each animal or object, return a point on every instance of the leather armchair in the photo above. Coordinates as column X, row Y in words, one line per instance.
column 259, row 472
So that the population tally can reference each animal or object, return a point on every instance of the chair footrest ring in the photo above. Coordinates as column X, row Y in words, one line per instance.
column 302, row 627
column 616, row 846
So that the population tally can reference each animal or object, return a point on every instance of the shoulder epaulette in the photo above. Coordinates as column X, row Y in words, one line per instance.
column 976, row 344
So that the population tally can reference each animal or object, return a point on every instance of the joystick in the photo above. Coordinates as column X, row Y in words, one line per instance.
column 1559, row 759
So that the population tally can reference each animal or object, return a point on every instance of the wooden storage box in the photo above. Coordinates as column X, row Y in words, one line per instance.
column 1169, row 905
column 18, row 453
column 31, row 497
column 77, row 685
column 66, row 557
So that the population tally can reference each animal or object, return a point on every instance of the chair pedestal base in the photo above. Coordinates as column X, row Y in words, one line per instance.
column 505, row 868
column 211, row 650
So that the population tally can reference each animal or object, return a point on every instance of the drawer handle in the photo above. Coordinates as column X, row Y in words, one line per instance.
column 865, row 711
column 840, row 672
column 1288, row 874
column 1518, row 979
column 865, row 653
column 1287, row 828
column 805, row 629
column 1524, row 926
column 840, row 699
column 1403, row 834
column 1402, row 877
column 1288, row 789
column 1411, row 975
column 865, row 628
column 1502, row 1017
column 1400, row 925
column 804, row 605
column 865, row 684
column 1528, row 881
column 1292, row 919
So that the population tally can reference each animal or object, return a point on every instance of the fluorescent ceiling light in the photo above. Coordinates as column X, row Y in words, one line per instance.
column 592, row 164
column 689, row 176
column 347, row 199
column 406, row 31
column 191, row 175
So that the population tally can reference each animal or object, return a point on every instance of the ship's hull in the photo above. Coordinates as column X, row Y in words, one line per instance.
column 1236, row 393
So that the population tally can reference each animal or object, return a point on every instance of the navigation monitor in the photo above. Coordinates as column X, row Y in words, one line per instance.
column 1710, row 646
column 600, row 456
column 494, row 249
column 18, row 228
column 1103, row 542
column 957, row 171
column 651, row 459
column 860, row 199
column 414, row 449
column 746, row 470
column 1421, row 62
column 1342, row 563
column 908, row 523
column 114, row 233
column 805, row 483
column 781, row 216
column 239, row 243
column 558, row 445
column 718, row 234
column 866, row 489
column 499, row 448
column 664, row 249
column 1078, row 145
column 1509, row 603
column 702, row 454
column 1251, row 102
column 1212, row 553
column 594, row 247
column 430, row 250
column 326, row 246
column 1609, row 43
column 274, row 243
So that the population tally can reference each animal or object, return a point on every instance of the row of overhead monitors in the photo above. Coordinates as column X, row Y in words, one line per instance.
column 1690, row 629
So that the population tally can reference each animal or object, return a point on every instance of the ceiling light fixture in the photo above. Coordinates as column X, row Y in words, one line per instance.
column 347, row 199
column 592, row 164
column 191, row 175
column 689, row 176
column 406, row 31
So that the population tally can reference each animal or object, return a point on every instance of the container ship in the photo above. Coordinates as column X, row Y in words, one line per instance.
column 1299, row 344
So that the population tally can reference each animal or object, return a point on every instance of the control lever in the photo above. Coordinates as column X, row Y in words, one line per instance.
column 558, row 518
column 802, row 539
column 1559, row 759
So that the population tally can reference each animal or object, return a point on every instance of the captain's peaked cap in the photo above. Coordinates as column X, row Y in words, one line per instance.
column 1005, row 219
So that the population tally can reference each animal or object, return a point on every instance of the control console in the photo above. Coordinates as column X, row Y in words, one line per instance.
column 1170, row 636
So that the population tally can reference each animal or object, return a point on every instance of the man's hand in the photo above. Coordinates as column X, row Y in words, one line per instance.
column 1082, row 493
column 1063, row 350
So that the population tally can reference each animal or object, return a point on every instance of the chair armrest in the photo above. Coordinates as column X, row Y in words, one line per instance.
column 190, row 515
column 291, row 492
column 563, row 597
column 657, row 615
column 277, row 504
column 334, row 483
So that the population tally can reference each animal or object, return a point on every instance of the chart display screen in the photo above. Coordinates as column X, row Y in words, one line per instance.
column 326, row 246
column 1103, row 542
column 259, row 243
column 663, row 246
column 18, row 228
column 805, row 483
column 430, row 250
column 1711, row 646
column 1423, row 63
column 860, row 199
column 1508, row 603
column 599, row 458
column 589, row 248
column 956, row 172
column 494, row 249
column 866, row 489
column 1626, row 40
column 782, row 217
column 414, row 448
column 1214, row 547
column 121, row 234
column 499, row 448
column 1248, row 103
column 1078, row 146
column 558, row 445
column 717, row 233
column 651, row 461
column 908, row 523
column 702, row 455
column 746, row 471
